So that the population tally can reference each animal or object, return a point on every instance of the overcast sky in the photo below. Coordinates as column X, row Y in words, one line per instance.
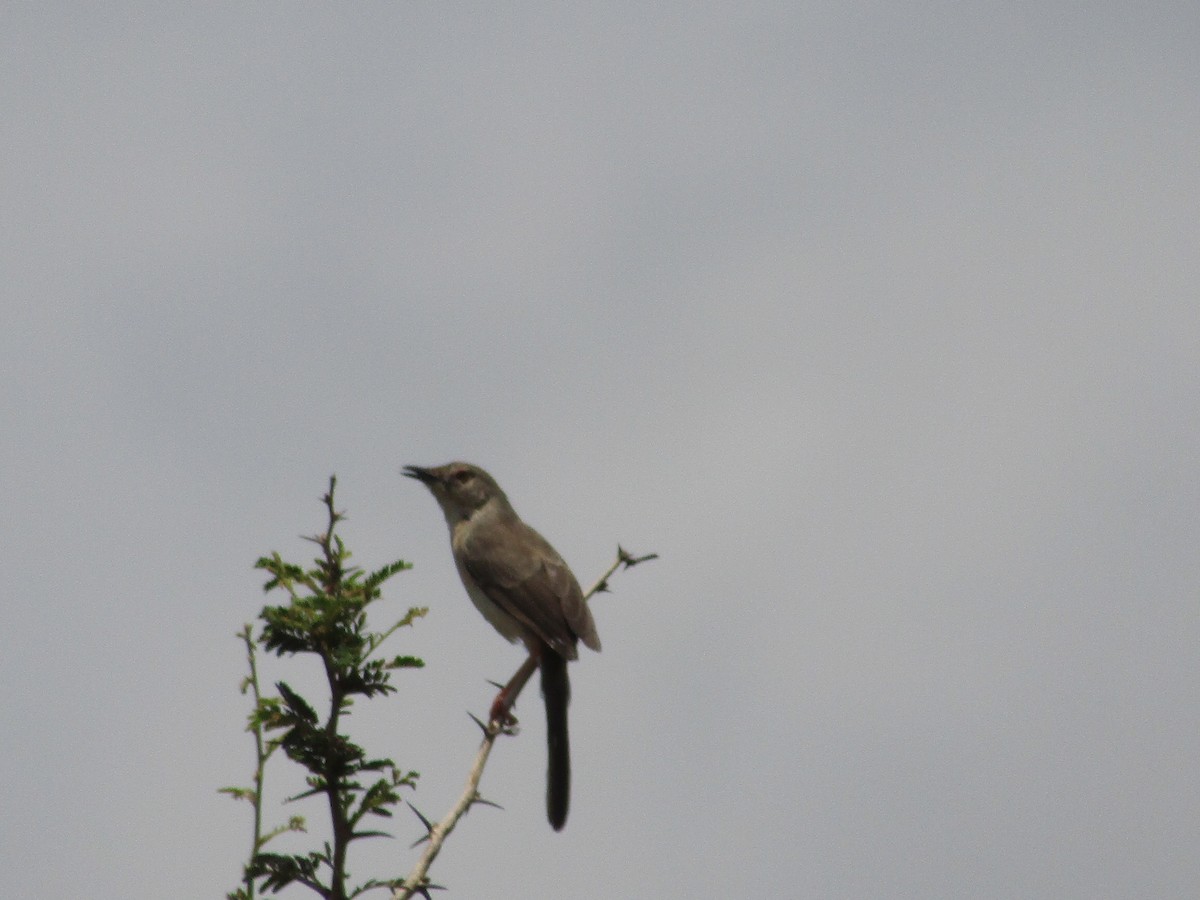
column 878, row 321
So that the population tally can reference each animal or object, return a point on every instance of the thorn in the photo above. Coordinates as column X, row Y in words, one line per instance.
column 475, row 719
column 483, row 802
column 497, row 685
column 631, row 561
column 422, row 889
column 424, row 821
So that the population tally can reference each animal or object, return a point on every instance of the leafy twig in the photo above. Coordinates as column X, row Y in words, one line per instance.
column 326, row 616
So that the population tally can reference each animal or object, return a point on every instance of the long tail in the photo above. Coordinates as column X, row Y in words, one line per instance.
column 556, row 688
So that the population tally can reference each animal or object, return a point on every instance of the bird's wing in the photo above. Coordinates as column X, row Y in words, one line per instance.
column 533, row 584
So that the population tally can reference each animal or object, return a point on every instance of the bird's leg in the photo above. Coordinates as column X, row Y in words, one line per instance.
column 503, row 704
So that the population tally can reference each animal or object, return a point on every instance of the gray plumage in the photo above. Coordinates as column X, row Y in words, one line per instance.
column 524, row 589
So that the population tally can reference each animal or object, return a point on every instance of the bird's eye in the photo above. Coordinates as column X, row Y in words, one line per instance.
column 463, row 476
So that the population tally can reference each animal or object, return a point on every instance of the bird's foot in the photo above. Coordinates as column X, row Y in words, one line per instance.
column 501, row 712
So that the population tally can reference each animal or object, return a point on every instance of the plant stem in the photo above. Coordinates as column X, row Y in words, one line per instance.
column 260, row 755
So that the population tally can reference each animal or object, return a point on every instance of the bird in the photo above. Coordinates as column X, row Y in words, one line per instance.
column 525, row 590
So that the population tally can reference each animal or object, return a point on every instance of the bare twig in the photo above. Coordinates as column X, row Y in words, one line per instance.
column 417, row 881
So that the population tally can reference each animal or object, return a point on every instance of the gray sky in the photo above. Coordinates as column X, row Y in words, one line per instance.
column 878, row 322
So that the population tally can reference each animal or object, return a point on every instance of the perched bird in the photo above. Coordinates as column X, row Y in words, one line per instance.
column 525, row 590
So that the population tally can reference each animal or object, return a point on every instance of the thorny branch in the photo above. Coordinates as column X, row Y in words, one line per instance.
column 417, row 881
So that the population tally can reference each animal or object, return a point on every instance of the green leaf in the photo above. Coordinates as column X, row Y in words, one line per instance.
column 406, row 662
column 296, row 704
column 239, row 793
column 280, row 870
column 413, row 614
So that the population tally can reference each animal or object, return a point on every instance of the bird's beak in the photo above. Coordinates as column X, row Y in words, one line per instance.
column 423, row 475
